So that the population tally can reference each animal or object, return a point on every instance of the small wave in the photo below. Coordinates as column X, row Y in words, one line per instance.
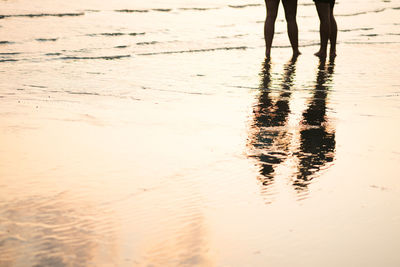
column 121, row 46
column 100, row 57
column 175, row 91
column 81, row 93
column 162, row 9
column 234, row 36
column 147, row 43
column 166, row 9
column 370, row 42
column 8, row 60
column 132, row 10
column 244, row 6
column 356, row 29
column 195, row 50
column 137, row 33
column 197, row 8
column 36, row 86
column 44, row 15
column 46, row 39
column 361, row 13
column 284, row 46
column 387, row 95
column 5, row 42
column 53, row 54
column 114, row 34
column 370, row 35
column 10, row 54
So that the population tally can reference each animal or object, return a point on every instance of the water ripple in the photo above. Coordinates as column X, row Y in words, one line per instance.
column 98, row 57
column 44, row 15
column 46, row 39
column 195, row 50
column 132, row 10
column 244, row 6
column 5, row 42
column 55, row 230
column 113, row 34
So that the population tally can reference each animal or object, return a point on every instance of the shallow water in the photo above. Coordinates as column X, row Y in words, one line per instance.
column 154, row 134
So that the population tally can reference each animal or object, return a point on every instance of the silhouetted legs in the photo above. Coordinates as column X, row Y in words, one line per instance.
column 269, row 25
column 333, row 35
column 327, row 29
column 290, row 7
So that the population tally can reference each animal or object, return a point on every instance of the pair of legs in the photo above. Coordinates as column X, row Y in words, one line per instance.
column 327, row 28
column 290, row 7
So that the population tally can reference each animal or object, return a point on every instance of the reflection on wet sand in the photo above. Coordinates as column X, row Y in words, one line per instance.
column 53, row 231
column 317, row 138
column 272, row 142
column 179, row 235
column 186, row 247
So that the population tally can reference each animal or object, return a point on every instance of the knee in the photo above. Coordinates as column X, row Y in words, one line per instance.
column 326, row 23
column 271, row 17
column 325, row 19
column 290, row 18
column 332, row 19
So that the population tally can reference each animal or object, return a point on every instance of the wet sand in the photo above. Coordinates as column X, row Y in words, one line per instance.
column 178, row 147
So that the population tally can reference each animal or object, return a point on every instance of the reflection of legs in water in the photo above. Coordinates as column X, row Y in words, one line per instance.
column 264, row 136
column 327, row 29
column 270, row 141
column 317, row 141
column 317, row 149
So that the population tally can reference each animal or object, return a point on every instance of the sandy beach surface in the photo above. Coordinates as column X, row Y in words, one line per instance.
column 141, row 133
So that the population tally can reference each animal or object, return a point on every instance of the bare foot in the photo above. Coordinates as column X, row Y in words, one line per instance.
column 320, row 54
column 296, row 53
column 268, row 54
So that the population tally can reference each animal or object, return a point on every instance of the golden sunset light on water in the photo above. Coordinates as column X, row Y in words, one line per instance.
column 147, row 133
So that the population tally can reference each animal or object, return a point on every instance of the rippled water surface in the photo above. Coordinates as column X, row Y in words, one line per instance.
column 147, row 133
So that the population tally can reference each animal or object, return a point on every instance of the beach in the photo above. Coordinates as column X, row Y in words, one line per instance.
column 155, row 134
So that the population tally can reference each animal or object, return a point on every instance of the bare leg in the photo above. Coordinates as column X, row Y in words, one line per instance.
column 290, row 7
column 333, row 35
column 323, row 10
column 269, row 26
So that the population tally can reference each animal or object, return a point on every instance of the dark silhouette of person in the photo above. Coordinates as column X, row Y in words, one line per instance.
column 327, row 27
column 290, row 7
column 317, row 140
column 270, row 139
